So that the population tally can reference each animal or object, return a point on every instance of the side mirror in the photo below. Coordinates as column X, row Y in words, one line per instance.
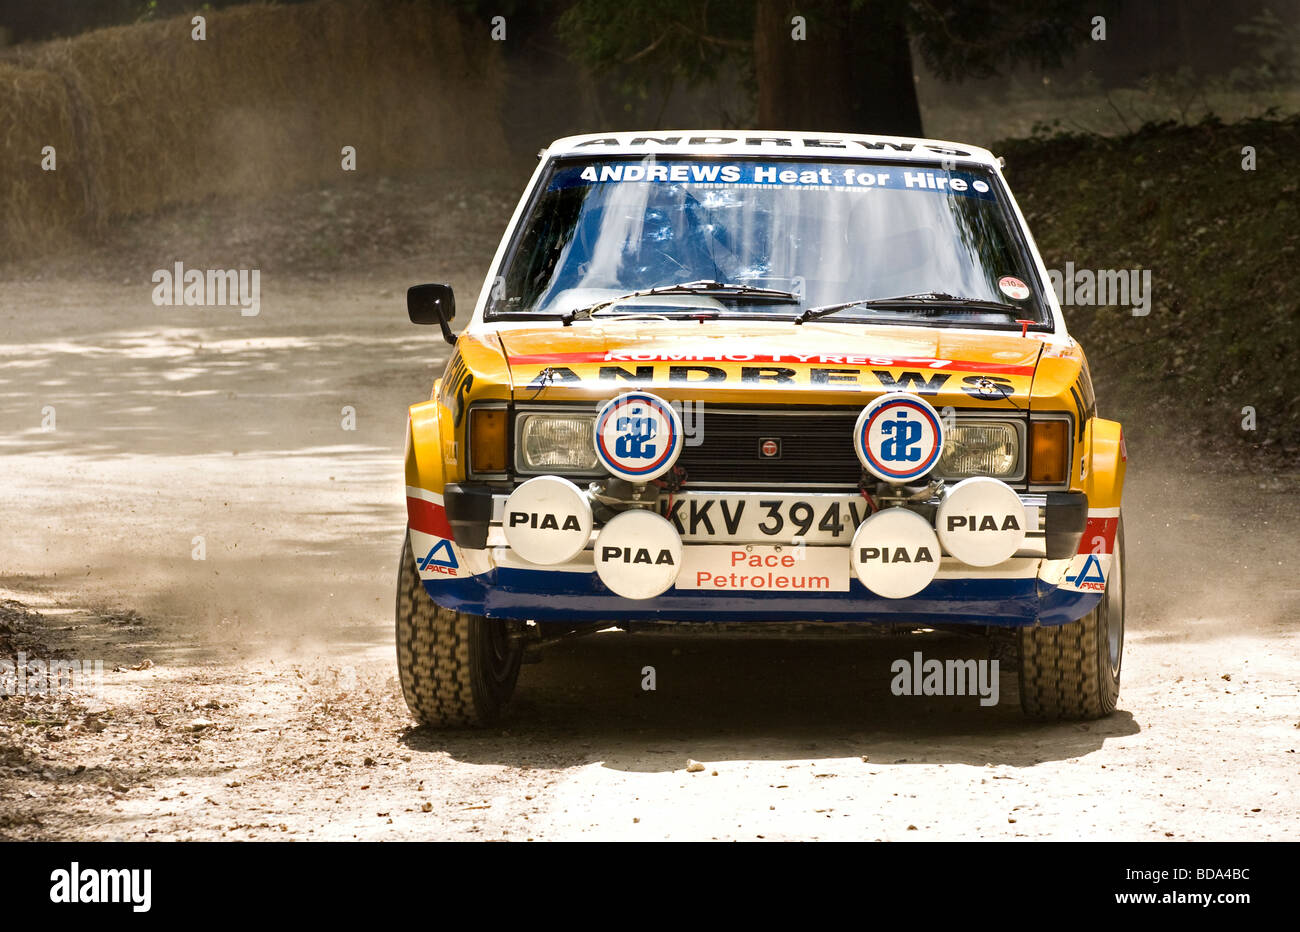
column 432, row 304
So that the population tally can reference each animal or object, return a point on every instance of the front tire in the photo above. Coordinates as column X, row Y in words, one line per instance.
column 456, row 669
column 1072, row 671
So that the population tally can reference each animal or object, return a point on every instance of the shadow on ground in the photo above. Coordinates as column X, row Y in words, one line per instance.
column 733, row 698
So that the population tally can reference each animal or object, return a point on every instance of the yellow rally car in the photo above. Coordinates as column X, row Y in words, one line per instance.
column 760, row 377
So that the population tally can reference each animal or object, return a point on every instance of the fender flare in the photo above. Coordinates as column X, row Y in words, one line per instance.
column 424, row 448
column 1107, row 463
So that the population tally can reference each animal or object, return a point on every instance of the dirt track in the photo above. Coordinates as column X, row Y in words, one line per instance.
column 266, row 702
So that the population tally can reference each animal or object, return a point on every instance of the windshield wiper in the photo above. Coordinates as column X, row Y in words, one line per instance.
column 702, row 287
column 927, row 299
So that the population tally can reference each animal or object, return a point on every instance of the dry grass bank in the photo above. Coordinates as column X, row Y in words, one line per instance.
column 144, row 117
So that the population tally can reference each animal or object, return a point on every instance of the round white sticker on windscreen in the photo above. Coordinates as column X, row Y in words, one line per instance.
column 895, row 553
column 981, row 521
column 1013, row 288
column 638, row 554
column 638, row 436
column 547, row 520
column 898, row 437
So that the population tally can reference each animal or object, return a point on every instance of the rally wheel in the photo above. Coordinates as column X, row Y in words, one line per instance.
column 457, row 670
column 1072, row 671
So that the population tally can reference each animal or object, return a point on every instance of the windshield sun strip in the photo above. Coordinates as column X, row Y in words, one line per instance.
column 1045, row 321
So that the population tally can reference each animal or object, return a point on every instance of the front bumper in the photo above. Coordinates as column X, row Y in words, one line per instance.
column 467, row 567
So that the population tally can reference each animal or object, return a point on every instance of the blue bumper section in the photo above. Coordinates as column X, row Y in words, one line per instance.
column 543, row 595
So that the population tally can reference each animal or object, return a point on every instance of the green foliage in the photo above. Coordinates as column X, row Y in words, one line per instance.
column 653, row 44
column 689, row 40
column 646, row 48
column 1277, row 51
column 978, row 38
column 1222, row 245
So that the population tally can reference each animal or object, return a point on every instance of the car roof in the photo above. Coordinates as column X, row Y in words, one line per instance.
column 768, row 143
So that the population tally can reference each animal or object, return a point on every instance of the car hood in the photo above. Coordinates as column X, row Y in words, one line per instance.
column 816, row 363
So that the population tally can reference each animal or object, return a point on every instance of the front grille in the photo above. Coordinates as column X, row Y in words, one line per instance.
column 816, row 448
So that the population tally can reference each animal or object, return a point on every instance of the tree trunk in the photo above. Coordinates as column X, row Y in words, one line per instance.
column 851, row 73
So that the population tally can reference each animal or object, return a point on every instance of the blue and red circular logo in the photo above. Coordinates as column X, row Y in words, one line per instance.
column 638, row 436
column 898, row 437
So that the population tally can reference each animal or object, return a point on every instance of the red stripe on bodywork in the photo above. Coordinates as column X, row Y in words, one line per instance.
column 815, row 359
column 1099, row 527
column 427, row 518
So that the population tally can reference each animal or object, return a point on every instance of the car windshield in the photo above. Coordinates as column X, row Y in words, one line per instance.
column 829, row 232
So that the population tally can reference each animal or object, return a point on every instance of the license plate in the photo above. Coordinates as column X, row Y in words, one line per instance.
column 765, row 518
column 764, row 568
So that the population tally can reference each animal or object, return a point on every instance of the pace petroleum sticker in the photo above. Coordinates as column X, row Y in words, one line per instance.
column 898, row 437
column 1013, row 288
column 638, row 436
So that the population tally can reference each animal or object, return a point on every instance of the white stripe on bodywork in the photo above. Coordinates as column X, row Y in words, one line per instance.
column 416, row 492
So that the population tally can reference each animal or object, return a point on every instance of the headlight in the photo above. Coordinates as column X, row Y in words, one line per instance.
column 557, row 443
column 984, row 449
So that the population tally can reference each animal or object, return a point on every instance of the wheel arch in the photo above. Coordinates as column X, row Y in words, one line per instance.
column 424, row 441
column 1107, row 462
